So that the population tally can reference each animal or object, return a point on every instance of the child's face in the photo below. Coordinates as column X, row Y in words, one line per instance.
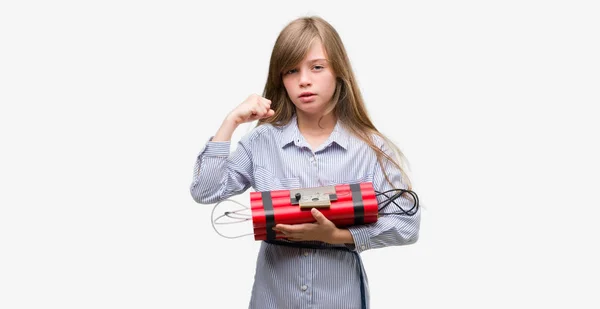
column 311, row 84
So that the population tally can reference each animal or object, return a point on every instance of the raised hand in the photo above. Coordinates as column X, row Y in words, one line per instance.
column 253, row 108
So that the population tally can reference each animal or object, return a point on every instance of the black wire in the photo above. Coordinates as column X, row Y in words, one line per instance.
column 391, row 199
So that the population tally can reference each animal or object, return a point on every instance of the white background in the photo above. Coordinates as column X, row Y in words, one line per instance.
column 105, row 105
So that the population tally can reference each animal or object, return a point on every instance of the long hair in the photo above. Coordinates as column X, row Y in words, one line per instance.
column 347, row 102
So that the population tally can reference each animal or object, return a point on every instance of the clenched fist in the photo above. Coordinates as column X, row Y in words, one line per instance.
column 253, row 108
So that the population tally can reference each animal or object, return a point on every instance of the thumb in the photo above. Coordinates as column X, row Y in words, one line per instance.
column 318, row 216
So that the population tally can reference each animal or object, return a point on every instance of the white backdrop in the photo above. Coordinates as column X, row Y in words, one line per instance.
column 106, row 104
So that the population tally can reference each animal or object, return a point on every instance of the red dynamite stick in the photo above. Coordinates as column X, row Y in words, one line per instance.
column 351, row 204
column 261, row 233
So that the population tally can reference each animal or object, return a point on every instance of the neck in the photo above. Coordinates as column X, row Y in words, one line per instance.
column 310, row 125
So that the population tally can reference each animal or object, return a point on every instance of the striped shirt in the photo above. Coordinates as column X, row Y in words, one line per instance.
column 274, row 158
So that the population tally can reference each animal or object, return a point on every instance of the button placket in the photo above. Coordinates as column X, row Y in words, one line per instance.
column 313, row 158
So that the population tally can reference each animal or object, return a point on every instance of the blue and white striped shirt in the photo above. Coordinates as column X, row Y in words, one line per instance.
column 273, row 158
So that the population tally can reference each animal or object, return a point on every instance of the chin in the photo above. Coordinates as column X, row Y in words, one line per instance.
column 309, row 109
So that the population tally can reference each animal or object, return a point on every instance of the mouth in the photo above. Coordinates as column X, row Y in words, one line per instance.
column 306, row 95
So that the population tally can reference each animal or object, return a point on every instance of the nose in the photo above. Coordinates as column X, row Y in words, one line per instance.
column 304, row 78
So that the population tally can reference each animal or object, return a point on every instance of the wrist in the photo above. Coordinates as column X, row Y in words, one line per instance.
column 225, row 131
column 341, row 237
column 232, row 120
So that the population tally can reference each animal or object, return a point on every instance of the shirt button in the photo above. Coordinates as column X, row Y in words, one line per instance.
column 363, row 247
column 306, row 253
column 304, row 287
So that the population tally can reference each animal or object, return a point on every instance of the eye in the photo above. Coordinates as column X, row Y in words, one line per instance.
column 292, row 71
column 318, row 67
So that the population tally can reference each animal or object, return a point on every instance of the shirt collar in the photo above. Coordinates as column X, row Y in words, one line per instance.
column 291, row 134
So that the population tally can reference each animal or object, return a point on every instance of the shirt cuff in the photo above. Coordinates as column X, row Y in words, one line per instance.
column 215, row 149
column 362, row 240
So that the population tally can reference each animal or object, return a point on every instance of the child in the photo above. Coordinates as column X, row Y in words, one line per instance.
column 313, row 130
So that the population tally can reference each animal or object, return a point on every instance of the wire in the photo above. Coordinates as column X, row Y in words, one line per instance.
column 398, row 193
column 227, row 214
column 235, row 215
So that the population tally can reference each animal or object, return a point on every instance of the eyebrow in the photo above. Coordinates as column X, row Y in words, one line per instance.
column 315, row 60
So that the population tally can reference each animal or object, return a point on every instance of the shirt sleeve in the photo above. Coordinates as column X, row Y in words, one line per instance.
column 390, row 229
column 219, row 174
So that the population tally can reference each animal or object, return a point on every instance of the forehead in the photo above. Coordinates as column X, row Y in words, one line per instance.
column 316, row 51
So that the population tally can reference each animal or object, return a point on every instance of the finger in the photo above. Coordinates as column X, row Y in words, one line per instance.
column 295, row 228
column 268, row 113
column 284, row 228
column 295, row 235
column 265, row 102
column 252, row 111
column 256, row 113
column 318, row 216
column 264, row 106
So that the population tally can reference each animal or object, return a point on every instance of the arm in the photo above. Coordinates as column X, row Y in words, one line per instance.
column 219, row 175
column 392, row 229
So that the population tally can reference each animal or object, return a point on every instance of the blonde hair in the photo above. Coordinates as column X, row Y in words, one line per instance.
column 347, row 103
